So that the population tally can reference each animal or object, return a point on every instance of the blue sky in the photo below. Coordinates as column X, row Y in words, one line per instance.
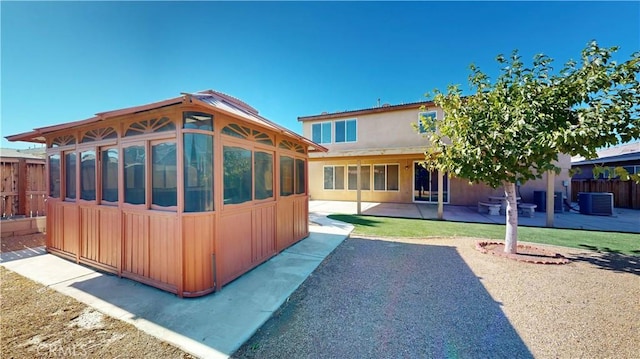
column 66, row 61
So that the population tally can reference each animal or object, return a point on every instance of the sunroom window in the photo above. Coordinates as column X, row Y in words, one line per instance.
column 54, row 176
column 134, row 174
column 88, row 175
column 164, row 190
column 198, row 172
column 263, row 187
column 237, row 168
column 110, row 175
column 286, row 176
column 70, row 175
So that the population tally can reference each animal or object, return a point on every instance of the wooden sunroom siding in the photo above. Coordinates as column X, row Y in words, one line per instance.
column 198, row 232
column 190, row 254
column 235, row 244
column 70, row 218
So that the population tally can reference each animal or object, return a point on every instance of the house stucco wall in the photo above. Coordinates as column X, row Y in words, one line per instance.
column 461, row 191
column 391, row 129
column 388, row 136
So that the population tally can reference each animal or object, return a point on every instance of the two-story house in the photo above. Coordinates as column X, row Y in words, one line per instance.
column 384, row 141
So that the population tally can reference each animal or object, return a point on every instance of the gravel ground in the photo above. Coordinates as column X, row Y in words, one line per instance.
column 440, row 298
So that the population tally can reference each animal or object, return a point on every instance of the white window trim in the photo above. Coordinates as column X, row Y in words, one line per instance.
column 321, row 131
column 370, row 174
column 346, row 184
column 373, row 187
column 345, row 130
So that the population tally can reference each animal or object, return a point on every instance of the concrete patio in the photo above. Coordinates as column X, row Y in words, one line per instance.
column 623, row 220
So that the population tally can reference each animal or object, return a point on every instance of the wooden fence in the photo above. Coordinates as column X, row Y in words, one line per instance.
column 23, row 187
column 626, row 194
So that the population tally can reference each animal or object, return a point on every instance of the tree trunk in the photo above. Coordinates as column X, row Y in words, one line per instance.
column 511, row 235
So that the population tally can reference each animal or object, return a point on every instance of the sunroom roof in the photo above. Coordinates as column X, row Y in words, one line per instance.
column 208, row 98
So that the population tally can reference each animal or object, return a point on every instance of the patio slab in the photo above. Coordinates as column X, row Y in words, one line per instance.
column 623, row 220
column 212, row 326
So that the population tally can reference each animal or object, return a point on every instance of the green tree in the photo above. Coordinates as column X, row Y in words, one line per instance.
column 513, row 129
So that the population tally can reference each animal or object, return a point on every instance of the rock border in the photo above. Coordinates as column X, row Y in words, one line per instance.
column 525, row 253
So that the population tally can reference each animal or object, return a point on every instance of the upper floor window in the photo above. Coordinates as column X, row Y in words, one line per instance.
column 346, row 130
column 426, row 121
column 321, row 132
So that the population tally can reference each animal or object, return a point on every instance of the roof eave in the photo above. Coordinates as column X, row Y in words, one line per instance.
column 31, row 136
column 366, row 111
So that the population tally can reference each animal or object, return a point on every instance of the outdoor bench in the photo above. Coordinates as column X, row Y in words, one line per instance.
column 492, row 208
column 527, row 209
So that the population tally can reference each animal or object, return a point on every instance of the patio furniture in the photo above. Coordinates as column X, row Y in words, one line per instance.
column 502, row 200
column 527, row 209
column 492, row 208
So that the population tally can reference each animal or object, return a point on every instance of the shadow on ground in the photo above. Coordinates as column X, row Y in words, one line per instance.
column 373, row 298
column 609, row 259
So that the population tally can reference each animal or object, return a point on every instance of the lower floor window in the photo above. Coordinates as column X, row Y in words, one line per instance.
column 386, row 177
column 334, row 177
column 365, row 177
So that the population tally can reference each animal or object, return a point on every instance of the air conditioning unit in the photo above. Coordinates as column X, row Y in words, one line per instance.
column 595, row 203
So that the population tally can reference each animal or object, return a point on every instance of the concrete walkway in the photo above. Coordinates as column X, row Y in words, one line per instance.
column 213, row 326
column 623, row 220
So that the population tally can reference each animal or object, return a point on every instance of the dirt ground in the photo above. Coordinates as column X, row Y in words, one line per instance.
column 22, row 242
column 38, row 322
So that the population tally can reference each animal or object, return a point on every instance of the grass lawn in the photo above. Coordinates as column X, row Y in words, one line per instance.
column 624, row 243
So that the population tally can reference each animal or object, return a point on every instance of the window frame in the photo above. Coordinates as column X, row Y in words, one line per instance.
column 150, row 173
column 147, row 193
column 346, row 130
column 344, row 169
column 322, row 125
column 49, row 175
column 273, row 173
column 244, row 145
column 185, row 129
column 95, row 173
column 65, row 176
column 386, row 174
column 100, row 191
column 361, row 177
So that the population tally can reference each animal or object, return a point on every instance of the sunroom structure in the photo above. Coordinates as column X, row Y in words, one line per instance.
column 184, row 195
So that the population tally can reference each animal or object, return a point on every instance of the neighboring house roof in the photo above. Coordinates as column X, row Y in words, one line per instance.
column 366, row 111
column 626, row 152
column 12, row 153
column 208, row 98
